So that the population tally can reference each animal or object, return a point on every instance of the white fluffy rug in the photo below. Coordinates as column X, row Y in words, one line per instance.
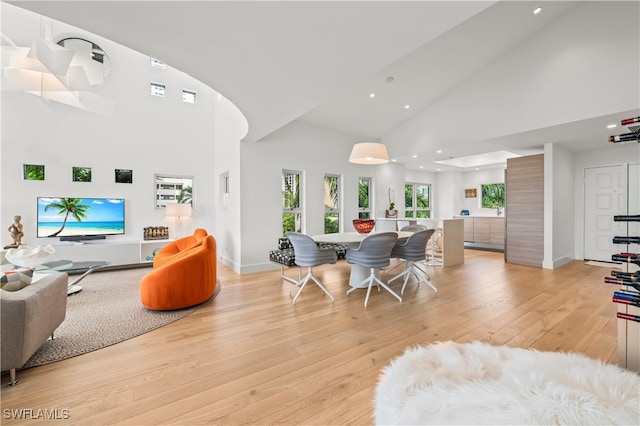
column 476, row 383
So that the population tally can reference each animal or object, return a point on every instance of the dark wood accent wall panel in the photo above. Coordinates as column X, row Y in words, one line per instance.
column 524, row 242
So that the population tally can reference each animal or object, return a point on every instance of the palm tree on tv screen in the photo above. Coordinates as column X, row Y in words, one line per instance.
column 68, row 206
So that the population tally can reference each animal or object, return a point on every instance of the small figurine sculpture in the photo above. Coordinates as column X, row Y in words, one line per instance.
column 16, row 232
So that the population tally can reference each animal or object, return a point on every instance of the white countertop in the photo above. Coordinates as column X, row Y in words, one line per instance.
column 479, row 215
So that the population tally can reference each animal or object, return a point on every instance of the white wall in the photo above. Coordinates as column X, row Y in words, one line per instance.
column 314, row 151
column 146, row 134
column 228, row 227
column 559, row 208
column 449, row 192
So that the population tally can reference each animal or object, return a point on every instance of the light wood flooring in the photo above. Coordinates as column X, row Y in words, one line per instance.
column 251, row 357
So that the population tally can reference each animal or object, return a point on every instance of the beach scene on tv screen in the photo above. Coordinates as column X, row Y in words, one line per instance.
column 61, row 217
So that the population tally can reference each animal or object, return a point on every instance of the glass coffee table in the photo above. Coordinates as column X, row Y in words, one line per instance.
column 72, row 268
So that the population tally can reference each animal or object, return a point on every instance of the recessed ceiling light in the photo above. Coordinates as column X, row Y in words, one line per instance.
column 414, row 156
column 537, row 10
column 437, row 170
column 422, row 167
column 439, row 151
column 477, row 168
column 372, row 95
column 393, row 160
column 612, row 126
column 407, row 106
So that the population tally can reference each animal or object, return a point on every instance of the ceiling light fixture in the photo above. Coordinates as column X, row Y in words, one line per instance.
column 537, row 10
column 62, row 72
column 372, row 95
column 369, row 153
column 612, row 126
column 414, row 156
column 439, row 151
column 407, row 106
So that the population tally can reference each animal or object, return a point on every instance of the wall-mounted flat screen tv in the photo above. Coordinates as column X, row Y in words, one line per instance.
column 80, row 218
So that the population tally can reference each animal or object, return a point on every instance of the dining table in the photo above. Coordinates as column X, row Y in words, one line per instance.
column 353, row 240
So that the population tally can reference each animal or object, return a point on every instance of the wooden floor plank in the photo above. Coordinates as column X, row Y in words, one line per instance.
column 250, row 356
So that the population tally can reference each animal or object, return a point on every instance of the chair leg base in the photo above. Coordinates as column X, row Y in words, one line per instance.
column 371, row 279
column 412, row 268
column 291, row 280
column 303, row 282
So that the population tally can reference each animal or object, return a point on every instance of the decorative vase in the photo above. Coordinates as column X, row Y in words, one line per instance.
column 364, row 226
column 391, row 213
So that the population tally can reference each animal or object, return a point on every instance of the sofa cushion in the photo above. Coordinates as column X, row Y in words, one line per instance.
column 286, row 256
column 341, row 249
column 284, row 243
column 16, row 279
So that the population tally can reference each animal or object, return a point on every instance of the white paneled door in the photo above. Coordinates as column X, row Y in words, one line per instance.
column 605, row 196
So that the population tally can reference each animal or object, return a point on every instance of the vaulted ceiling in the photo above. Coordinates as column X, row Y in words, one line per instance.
column 459, row 77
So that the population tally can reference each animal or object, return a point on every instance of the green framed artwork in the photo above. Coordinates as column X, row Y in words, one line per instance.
column 33, row 172
column 82, row 174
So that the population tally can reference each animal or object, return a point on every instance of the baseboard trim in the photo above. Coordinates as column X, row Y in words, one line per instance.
column 557, row 263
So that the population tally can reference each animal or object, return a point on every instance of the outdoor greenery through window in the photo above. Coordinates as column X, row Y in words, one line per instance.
column 492, row 195
column 291, row 210
column 331, row 204
column 417, row 200
column 364, row 198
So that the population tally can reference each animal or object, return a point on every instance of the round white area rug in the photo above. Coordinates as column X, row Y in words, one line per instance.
column 477, row 383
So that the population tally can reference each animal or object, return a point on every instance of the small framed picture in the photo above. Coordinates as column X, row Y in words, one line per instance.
column 124, row 176
column 33, row 172
column 82, row 174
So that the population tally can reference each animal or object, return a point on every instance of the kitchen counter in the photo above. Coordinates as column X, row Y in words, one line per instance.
column 461, row 216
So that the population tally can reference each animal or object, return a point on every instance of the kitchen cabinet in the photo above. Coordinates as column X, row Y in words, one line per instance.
column 484, row 231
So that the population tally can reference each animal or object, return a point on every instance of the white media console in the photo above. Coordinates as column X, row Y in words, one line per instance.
column 117, row 253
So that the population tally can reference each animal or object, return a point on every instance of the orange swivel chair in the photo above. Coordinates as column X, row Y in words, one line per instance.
column 176, row 247
column 185, row 279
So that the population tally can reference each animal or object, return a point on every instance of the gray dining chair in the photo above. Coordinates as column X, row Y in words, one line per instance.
column 374, row 253
column 412, row 227
column 413, row 250
column 308, row 254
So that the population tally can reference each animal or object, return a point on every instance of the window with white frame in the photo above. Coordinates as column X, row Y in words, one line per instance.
column 158, row 89
column 331, row 204
column 417, row 202
column 157, row 63
column 225, row 189
column 364, row 198
column 492, row 195
column 291, row 201
column 189, row 96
